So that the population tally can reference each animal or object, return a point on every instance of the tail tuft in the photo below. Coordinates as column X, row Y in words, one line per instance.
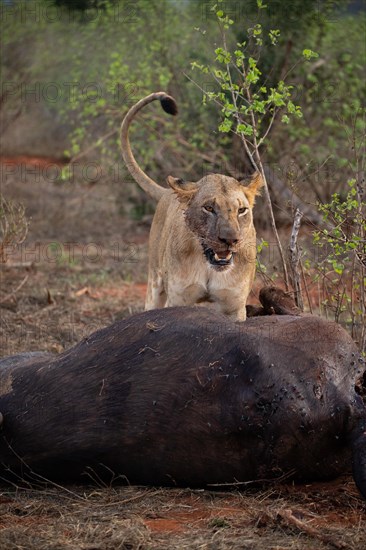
column 169, row 105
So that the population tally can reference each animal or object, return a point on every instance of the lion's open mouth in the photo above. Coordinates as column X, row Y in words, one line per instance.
column 219, row 259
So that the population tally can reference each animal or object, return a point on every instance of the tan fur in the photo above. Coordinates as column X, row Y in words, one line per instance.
column 192, row 218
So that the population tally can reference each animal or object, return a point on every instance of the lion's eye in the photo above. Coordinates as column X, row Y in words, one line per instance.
column 208, row 208
column 243, row 210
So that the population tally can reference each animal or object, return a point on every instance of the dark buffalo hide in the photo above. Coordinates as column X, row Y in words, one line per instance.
column 186, row 396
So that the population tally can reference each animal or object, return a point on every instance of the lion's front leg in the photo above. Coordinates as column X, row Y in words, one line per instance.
column 181, row 295
column 231, row 303
column 156, row 296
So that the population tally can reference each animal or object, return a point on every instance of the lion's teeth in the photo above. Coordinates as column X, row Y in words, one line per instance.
column 226, row 258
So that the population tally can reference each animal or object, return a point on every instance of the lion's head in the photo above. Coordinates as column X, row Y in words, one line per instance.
column 218, row 210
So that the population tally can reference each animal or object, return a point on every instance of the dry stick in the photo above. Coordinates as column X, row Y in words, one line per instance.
column 353, row 313
column 288, row 516
column 272, row 481
column 363, row 308
column 258, row 164
column 273, row 225
column 268, row 198
column 306, row 287
column 15, row 291
column 295, row 258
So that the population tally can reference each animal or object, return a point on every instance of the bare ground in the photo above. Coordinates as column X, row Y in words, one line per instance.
column 83, row 266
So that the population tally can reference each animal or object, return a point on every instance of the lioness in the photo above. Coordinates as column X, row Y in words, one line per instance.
column 202, row 245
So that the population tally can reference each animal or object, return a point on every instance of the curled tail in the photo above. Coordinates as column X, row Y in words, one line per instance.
column 147, row 184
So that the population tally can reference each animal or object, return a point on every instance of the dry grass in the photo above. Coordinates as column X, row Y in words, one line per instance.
column 86, row 518
column 13, row 226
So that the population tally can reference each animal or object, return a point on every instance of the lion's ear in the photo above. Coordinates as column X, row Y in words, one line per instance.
column 254, row 188
column 185, row 190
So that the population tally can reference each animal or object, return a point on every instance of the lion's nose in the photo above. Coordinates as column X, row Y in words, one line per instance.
column 229, row 240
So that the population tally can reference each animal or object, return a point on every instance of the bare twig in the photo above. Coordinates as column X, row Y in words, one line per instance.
column 11, row 294
column 254, row 154
column 305, row 284
column 295, row 258
column 274, row 480
column 288, row 516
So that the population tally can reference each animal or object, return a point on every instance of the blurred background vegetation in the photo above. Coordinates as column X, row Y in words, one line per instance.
column 70, row 70
column 76, row 66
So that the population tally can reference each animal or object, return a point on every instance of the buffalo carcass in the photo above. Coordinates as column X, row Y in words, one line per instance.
column 186, row 396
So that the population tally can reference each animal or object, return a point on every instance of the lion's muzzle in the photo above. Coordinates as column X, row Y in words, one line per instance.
column 219, row 260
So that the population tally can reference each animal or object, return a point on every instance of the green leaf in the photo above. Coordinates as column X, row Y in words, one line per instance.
column 226, row 125
column 258, row 106
column 309, row 54
column 245, row 129
column 260, row 5
column 273, row 36
column 222, row 56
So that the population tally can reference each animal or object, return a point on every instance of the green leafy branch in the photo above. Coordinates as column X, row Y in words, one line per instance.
column 248, row 107
column 347, row 230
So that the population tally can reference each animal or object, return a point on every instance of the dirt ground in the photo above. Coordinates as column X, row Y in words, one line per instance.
column 82, row 266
